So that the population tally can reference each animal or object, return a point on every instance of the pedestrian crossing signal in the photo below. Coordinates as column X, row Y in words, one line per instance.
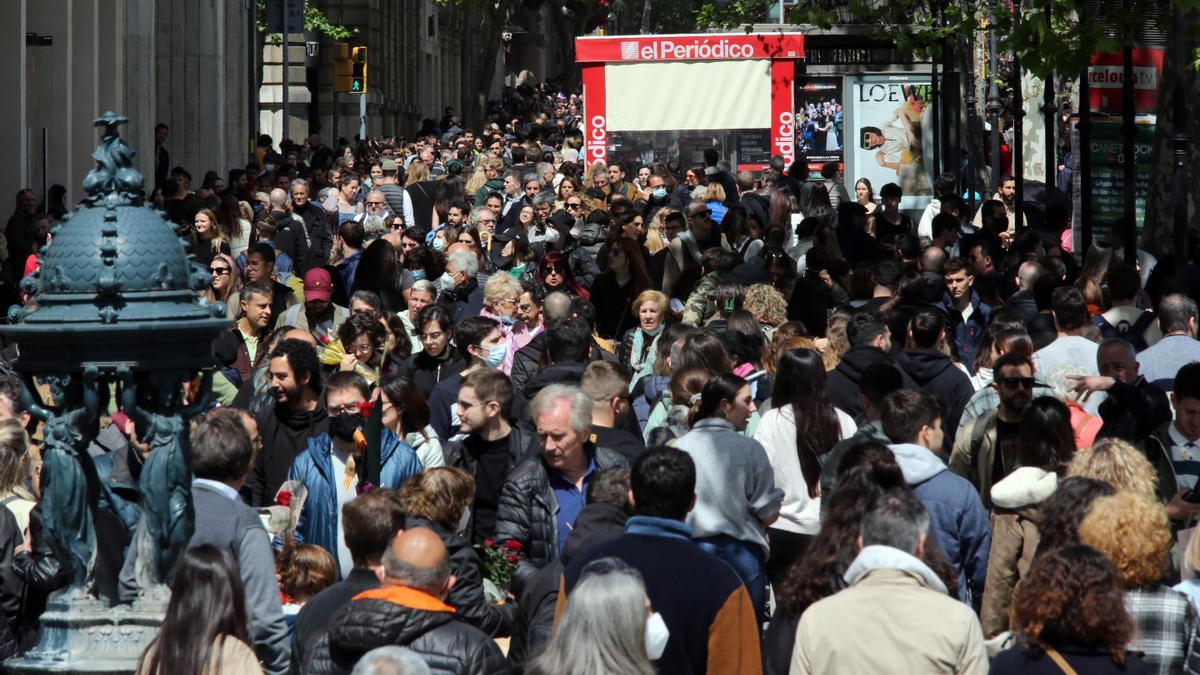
column 358, row 71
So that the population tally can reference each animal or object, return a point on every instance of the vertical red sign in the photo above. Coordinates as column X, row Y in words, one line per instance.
column 595, row 128
column 783, row 120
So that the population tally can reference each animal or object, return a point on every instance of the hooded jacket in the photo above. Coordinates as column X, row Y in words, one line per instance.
column 843, row 380
column 936, row 374
column 1017, row 502
column 313, row 468
column 899, row 607
column 959, row 520
column 285, row 434
column 404, row 617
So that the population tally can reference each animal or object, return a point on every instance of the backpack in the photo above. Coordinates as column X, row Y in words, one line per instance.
column 1134, row 333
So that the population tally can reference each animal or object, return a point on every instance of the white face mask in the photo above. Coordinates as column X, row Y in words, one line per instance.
column 656, row 636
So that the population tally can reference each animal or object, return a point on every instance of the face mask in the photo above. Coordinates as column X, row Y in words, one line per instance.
column 508, row 320
column 465, row 521
column 418, row 275
column 343, row 426
column 439, row 244
column 446, row 282
column 495, row 355
column 656, row 636
column 659, row 193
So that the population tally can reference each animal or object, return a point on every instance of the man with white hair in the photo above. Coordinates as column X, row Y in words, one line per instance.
column 390, row 660
column 458, row 288
column 377, row 205
column 545, row 493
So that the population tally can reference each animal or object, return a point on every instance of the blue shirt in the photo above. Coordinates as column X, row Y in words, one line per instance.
column 571, row 499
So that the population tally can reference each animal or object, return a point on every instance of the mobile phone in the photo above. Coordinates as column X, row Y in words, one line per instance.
column 1192, row 496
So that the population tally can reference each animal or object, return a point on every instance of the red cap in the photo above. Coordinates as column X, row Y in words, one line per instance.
column 317, row 284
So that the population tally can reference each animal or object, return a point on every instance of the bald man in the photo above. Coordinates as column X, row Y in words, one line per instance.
column 1134, row 407
column 408, row 610
column 291, row 237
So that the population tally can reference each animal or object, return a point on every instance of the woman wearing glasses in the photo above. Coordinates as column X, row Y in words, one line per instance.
column 437, row 360
column 555, row 275
column 225, row 285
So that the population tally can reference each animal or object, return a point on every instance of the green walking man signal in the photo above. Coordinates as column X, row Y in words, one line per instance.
column 350, row 70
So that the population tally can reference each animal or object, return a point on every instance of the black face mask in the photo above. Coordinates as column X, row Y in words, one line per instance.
column 344, row 425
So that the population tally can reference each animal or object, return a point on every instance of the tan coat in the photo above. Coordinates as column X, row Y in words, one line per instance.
column 233, row 658
column 889, row 621
column 1017, row 504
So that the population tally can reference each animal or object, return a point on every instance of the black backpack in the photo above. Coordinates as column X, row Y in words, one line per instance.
column 1134, row 333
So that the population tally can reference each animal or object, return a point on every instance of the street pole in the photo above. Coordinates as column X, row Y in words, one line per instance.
column 1018, row 128
column 1179, row 138
column 972, row 119
column 362, row 117
column 935, row 95
column 1083, row 151
column 995, row 107
column 284, row 6
column 1049, row 113
column 1128, row 134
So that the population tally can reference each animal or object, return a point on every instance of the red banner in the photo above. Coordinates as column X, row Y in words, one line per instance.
column 595, row 128
column 783, row 119
column 701, row 47
column 1106, row 77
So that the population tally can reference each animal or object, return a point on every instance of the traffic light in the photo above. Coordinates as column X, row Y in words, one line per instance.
column 358, row 71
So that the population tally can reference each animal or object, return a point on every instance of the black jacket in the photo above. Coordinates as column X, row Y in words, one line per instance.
column 528, row 361
column 448, row 646
column 619, row 441
column 527, row 511
column 466, row 597
column 11, row 588
column 320, row 239
column 936, row 374
column 292, row 240
column 463, row 302
column 1133, row 411
column 316, row 613
column 426, row 371
column 597, row 524
column 843, row 380
column 1022, row 301
column 284, row 434
column 555, row 373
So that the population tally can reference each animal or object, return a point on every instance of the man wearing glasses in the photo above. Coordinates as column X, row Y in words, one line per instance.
column 985, row 449
column 377, row 205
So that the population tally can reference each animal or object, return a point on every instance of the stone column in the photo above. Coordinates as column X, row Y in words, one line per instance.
column 14, row 173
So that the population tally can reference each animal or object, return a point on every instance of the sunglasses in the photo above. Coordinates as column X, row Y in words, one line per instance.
column 1014, row 382
column 554, row 270
column 219, row 271
column 574, row 206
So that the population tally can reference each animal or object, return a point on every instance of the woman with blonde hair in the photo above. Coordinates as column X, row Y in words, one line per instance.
column 656, row 236
column 225, row 286
column 636, row 349
column 501, row 295
column 440, row 500
column 16, row 465
column 1119, row 464
column 767, row 305
column 1132, row 529
column 208, row 238
column 714, row 199
column 835, row 343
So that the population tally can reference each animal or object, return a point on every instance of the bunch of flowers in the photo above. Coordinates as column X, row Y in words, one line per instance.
column 331, row 352
column 499, row 561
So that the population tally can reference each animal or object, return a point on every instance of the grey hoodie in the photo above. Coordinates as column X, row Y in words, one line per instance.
column 876, row 557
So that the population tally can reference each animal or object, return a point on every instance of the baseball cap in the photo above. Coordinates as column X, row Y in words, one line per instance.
column 388, row 164
column 317, row 284
column 512, row 233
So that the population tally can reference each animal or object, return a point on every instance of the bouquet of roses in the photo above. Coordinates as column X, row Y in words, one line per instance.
column 499, row 561
column 280, row 518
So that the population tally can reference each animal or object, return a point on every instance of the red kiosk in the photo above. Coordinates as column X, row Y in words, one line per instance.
column 649, row 97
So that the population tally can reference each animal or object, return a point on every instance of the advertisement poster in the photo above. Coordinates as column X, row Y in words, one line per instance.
column 820, row 121
column 1106, row 156
column 887, row 139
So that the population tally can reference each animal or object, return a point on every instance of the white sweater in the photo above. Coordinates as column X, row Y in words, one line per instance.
column 776, row 432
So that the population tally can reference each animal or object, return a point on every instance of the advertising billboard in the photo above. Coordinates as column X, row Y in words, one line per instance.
column 890, row 125
column 820, row 120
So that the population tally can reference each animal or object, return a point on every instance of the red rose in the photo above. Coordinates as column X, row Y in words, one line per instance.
column 512, row 558
column 284, row 498
column 488, row 543
column 365, row 408
column 326, row 338
column 512, row 545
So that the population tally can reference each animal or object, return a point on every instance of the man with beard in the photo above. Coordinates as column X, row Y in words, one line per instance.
column 297, row 415
column 318, row 315
column 1006, row 194
column 260, row 269
column 251, row 330
column 985, row 449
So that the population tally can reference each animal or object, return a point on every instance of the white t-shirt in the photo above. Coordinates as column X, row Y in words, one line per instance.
column 1075, row 354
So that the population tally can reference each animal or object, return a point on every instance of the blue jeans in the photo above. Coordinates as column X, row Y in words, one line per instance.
column 748, row 560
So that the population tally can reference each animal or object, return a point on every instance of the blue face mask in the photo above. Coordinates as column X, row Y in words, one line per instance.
column 418, row 275
column 659, row 193
column 508, row 320
column 495, row 355
column 439, row 244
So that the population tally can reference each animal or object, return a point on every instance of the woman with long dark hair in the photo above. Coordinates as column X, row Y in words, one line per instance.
column 205, row 629
column 865, row 473
column 801, row 426
column 379, row 272
column 736, row 497
column 1045, row 444
column 614, row 289
column 406, row 413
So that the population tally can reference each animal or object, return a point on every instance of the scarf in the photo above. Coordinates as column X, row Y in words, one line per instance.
column 639, row 343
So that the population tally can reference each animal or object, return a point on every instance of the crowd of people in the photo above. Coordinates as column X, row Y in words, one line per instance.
column 635, row 421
